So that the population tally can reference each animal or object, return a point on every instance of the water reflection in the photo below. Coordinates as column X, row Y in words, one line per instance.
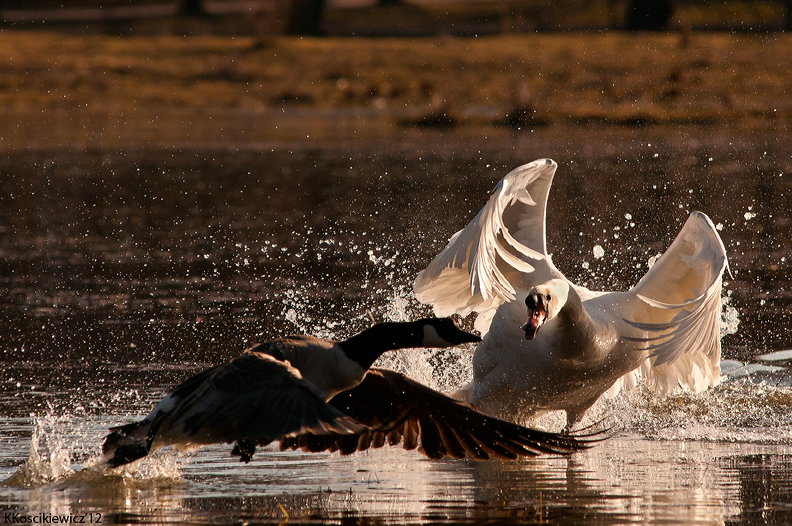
column 125, row 271
column 628, row 479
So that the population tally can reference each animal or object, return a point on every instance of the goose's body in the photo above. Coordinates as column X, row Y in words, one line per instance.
column 576, row 344
column 274, row 389
column 319, row 395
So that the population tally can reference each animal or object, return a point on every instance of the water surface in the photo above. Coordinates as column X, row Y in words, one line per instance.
column 125, row 269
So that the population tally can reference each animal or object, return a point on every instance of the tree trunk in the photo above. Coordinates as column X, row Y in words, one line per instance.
column 192, row 8
column 305, row 17
column 788, row 15
column 648, row 15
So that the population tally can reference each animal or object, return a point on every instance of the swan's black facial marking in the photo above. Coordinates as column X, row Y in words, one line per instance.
column 530, row 302
column 535, row 298
column 537, row 313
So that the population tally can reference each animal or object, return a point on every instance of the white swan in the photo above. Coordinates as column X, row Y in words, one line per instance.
column 577, row 343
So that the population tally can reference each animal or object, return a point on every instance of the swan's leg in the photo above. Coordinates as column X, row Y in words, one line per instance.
column 576, row 414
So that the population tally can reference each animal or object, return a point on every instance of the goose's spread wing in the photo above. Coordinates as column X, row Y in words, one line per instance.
column 506, row 239
column 253, row 397
column 399, row 409
column 681, row 310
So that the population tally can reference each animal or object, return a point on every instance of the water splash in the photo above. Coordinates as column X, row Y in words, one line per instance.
column 64, row 449
column 160, row 465
column 730, row 317
column 652, row 260
column 49, row 457
column 752, row 404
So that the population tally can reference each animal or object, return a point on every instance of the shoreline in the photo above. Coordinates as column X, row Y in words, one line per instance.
column 223, row 129
column 67, row 89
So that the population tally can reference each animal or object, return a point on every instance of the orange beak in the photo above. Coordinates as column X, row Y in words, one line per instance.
column 536, row 316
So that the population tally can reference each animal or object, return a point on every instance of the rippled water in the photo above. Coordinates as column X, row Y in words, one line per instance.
column 124, row 271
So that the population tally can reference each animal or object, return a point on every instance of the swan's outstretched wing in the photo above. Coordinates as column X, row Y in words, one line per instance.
column 681, row 309
column 399, row 409
column 253, row 397
column 504, row 241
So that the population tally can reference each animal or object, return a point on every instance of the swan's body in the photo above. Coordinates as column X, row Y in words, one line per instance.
column 578, row 343
column 274, row 389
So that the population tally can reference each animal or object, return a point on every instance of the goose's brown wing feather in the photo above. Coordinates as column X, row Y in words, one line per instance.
column 253, row 397
column 400, row 410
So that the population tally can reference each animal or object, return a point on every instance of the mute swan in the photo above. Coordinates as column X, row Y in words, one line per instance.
column 272, row 390
column 577, row 343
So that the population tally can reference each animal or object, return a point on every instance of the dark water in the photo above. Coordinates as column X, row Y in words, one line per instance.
column 126, row 269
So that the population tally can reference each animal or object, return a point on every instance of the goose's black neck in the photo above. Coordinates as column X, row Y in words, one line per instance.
column 366, row 347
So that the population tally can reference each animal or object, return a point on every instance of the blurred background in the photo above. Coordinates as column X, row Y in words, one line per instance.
column 104, row 70
column 111, row 73
column 400, row 17
column 181, row 179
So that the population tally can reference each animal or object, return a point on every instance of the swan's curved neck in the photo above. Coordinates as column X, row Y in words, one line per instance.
column 573, row 309
column 365, row 347
column 578, row 327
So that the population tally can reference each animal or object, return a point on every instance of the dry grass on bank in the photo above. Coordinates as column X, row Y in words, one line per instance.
column 610, row 76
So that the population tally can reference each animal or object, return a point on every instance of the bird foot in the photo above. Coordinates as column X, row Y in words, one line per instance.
column 245, row 449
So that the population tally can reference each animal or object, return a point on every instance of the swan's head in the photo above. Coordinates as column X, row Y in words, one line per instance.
column 544, row 302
